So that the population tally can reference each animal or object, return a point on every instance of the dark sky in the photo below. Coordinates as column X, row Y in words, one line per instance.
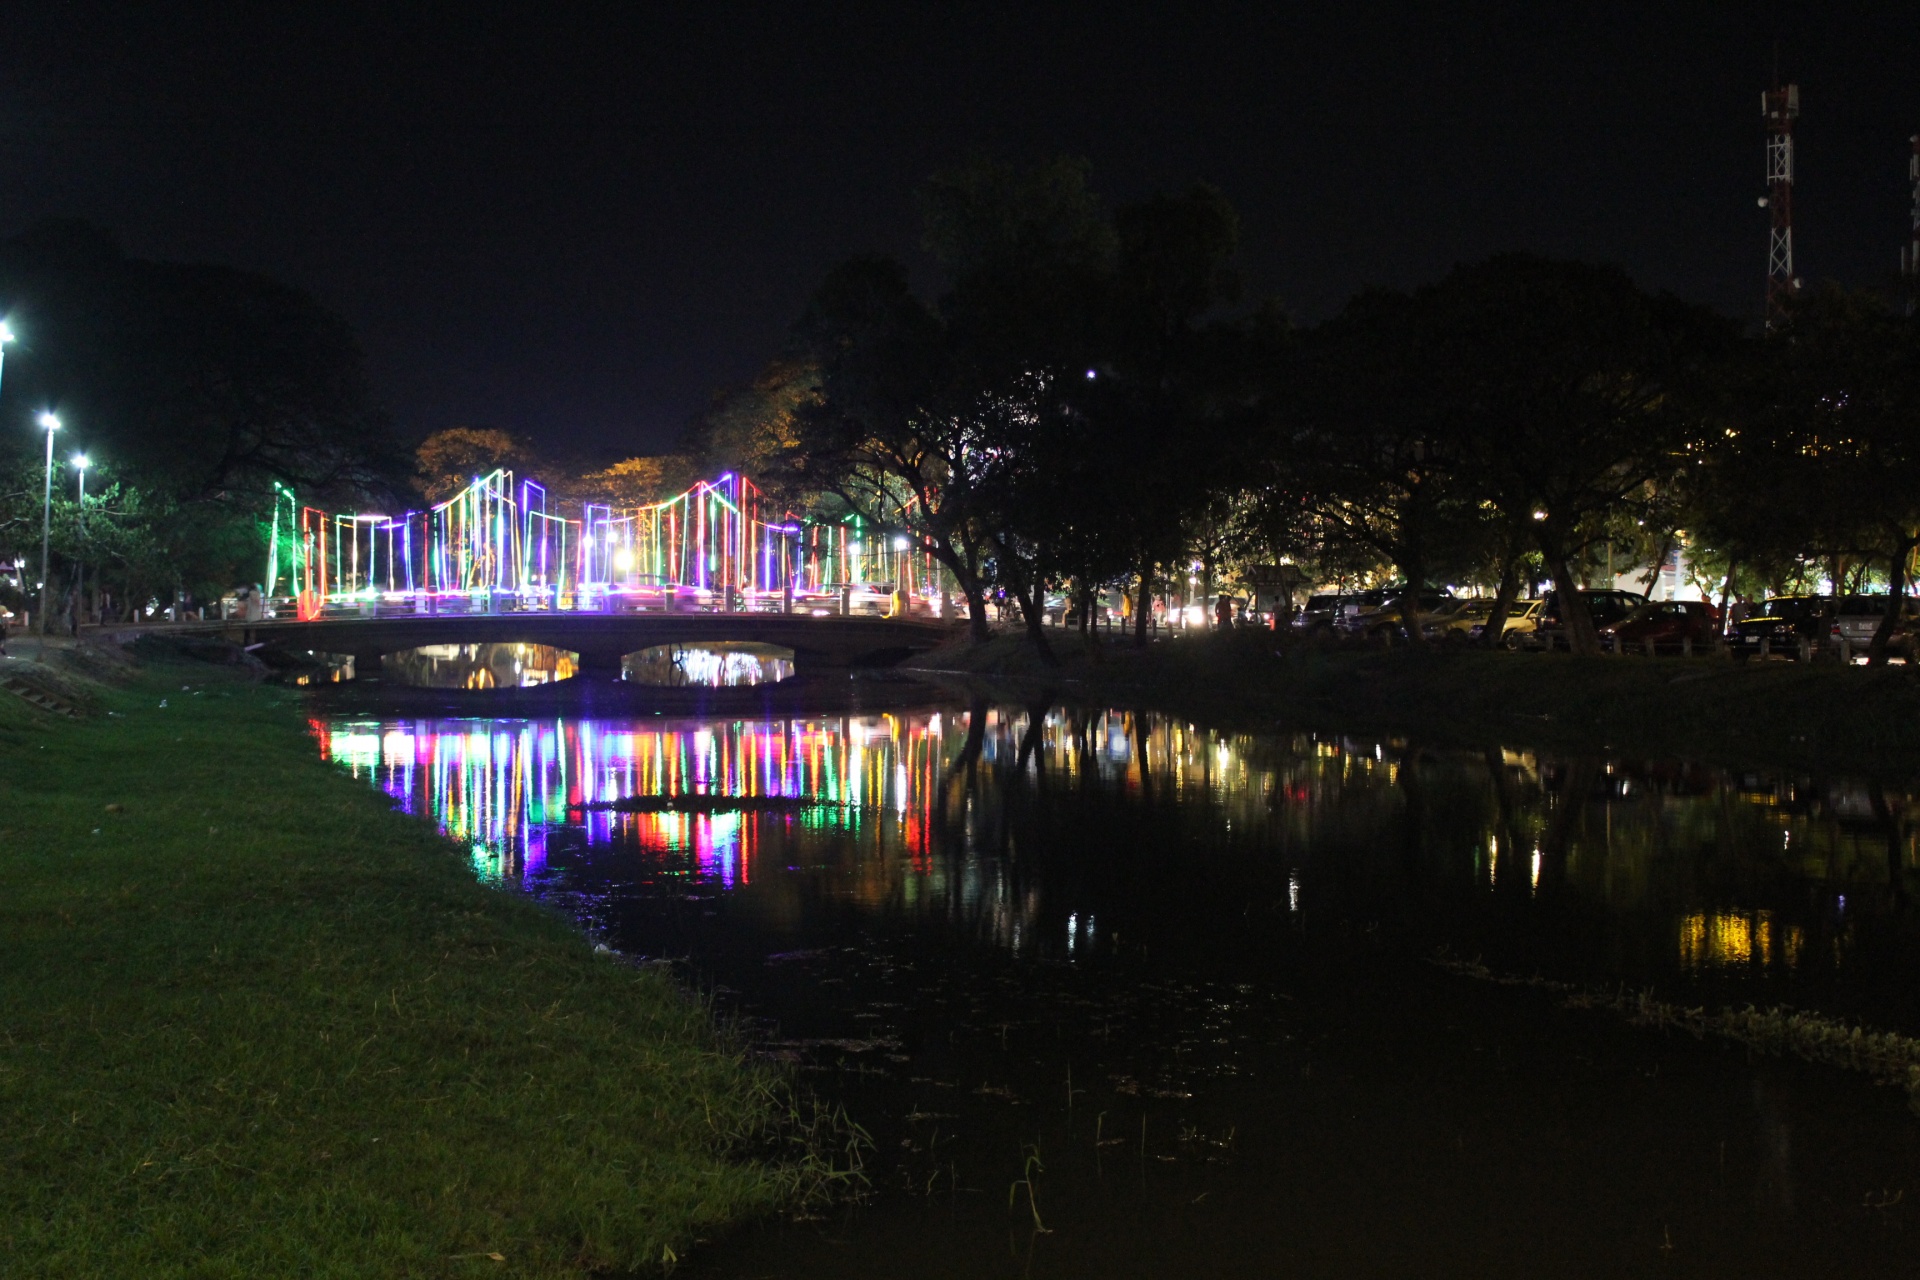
column 578, row 220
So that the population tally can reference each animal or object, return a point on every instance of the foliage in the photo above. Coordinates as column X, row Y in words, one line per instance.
column 195, row 389
column 449, row 460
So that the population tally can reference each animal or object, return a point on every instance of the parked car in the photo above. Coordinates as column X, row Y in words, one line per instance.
column 1856, row 618
column 1353, row 605
column 1384, row 621
column 1522, row 619
column 1467, row 617
column 1782, row 623
column 1605, row 607
column 1319, row 612
column 1668, row 625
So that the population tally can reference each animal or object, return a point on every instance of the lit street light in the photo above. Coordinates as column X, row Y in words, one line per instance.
column 51, row 424
column 80, row 573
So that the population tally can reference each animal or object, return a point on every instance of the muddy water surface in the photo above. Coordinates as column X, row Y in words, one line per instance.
column 1115, row 995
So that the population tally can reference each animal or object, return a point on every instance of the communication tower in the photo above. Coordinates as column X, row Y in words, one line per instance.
column 1910, row 254
column 1781, row 107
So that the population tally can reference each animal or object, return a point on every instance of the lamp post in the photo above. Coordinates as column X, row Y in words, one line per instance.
column 51, row 424
column 80, row 461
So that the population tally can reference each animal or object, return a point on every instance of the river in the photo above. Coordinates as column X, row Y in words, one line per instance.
column 1115, row 994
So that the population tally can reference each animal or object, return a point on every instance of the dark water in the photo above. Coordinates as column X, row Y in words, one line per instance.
column 1120, row 996
column 719, row 664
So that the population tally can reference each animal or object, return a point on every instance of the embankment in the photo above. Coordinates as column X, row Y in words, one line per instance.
column 254, row 1022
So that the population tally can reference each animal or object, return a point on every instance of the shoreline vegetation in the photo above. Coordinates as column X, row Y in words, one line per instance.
column 258, row 1022
column 1818, row 717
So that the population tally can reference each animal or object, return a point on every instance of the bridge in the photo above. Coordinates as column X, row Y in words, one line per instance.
column 602, row 639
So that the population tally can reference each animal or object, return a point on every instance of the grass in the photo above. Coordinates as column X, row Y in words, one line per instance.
column 1886, row 1056
column 1817, row 716
column 253, row 1022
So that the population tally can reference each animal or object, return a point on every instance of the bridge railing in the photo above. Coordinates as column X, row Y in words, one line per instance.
column 849, row 600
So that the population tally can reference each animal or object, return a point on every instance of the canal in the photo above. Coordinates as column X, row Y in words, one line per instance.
column 1114, row 994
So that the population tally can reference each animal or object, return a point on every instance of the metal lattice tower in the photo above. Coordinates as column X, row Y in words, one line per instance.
column 1910, row 254
column 1781, row 107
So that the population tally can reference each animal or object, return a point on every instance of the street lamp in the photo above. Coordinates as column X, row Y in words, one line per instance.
column 6, row 336
column 80, row 461
column 51, row 424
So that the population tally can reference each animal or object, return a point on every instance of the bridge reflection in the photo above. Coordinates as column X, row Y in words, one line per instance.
column 1024, row 825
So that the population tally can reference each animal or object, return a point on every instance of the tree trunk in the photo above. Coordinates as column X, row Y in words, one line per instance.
column 1416, row 575
column 1726, row 597
column 1143, row 608
column 1033, row 609
column 1896, row 601
column 1582, row 637
column 977, row 629
column 1503, row 596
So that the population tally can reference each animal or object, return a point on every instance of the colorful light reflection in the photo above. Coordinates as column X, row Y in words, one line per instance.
column 504, row 788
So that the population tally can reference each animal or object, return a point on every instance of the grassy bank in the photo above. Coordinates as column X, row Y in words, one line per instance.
column 255, row 1023
column 1820, row 716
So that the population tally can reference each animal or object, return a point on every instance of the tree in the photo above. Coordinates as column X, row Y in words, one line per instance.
column 1364, row 453
column 882, row 431
column 203, row 380
column 1171, row 401
column 195, row 388
column 1569, row 390
column 749, row 429
column 449, row 460
column 1832, row 420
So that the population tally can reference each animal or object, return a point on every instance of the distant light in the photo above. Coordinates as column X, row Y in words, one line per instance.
column 80, row 461
column 1090, row 375
column 623, row 560
column 6, row 334
column 50, row 422
column 901, row 544
column 1539, row 515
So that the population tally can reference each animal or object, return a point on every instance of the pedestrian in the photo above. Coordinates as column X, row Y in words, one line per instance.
column 1223, row 613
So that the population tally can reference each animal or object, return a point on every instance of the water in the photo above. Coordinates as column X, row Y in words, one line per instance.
column 479, row 666
column 719, row 664
column 1171, row 992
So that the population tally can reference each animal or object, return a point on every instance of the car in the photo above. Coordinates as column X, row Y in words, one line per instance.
column 1354, row 604
column 1522, row 620
column 1319, row 612
column 1384, row 622
column 1675, row 625
column 1605, row 607
column 1855, row 619
column 1781, row 626
column 1468, row 616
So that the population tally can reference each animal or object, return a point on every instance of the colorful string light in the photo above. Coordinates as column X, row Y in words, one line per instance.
column 494, row 545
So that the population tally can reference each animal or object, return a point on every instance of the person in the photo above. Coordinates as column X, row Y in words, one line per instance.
column 1223, row 612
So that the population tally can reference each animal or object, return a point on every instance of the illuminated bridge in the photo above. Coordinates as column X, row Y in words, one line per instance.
column 603, row 639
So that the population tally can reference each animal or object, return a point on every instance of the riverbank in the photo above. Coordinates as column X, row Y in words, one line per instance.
column 1787, row 714
column 255, row 1022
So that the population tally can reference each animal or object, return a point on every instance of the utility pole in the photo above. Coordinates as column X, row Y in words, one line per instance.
column 1781, row 107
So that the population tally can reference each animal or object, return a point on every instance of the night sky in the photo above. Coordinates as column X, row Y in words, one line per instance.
column 577, row 221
